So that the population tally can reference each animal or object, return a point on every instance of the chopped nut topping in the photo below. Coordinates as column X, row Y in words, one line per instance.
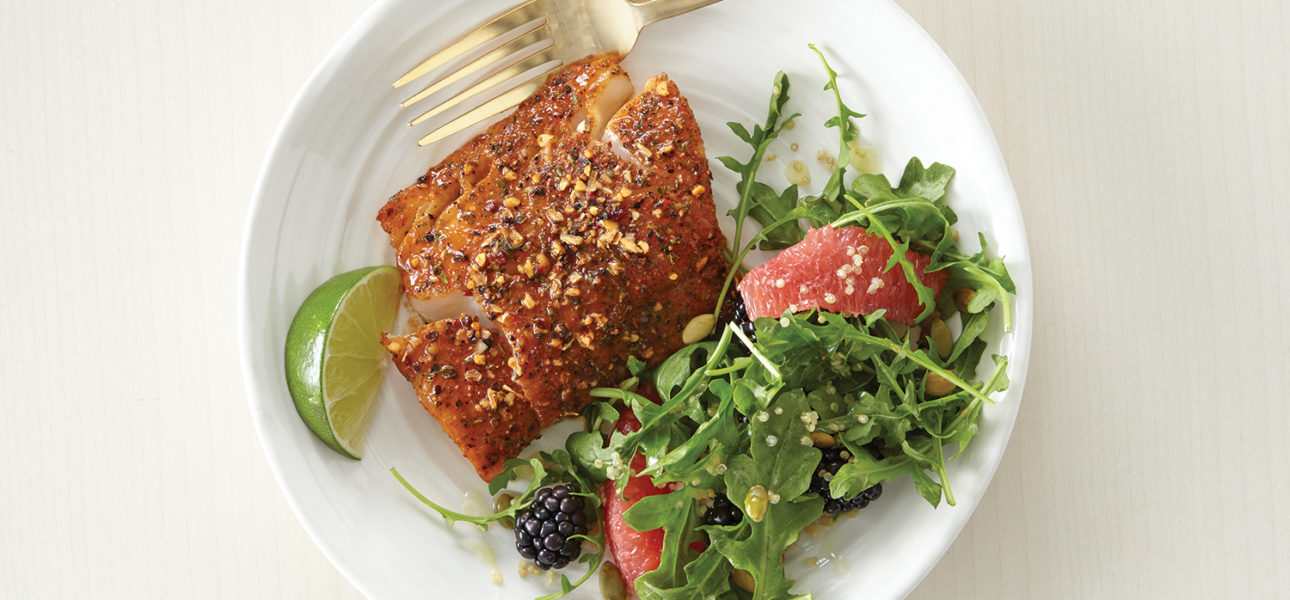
column 572, row 240
column 629, row 243
column 528, row 301
column 511, row 202
column 527, row 268
column 698, row 190
column 661, row 88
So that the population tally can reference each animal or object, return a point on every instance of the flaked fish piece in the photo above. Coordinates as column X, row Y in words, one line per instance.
column 459, row 370
column 583, row 225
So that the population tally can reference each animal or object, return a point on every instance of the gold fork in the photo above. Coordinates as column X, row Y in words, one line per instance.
column 525, row 44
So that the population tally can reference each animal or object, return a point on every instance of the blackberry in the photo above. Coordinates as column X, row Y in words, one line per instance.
column 830, row 461
column 544, row 531
column 722, row 512
column 739, row 316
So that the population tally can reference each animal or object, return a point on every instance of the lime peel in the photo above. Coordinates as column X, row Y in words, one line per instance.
column 334, row 356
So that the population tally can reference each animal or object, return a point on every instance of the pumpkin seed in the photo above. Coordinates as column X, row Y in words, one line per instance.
column 940, row 333
column 756, row 501
column 611, row 582
column 962, row 298
column 937, row 385
column 822, row 440
column 698, row 328
column 743, row 579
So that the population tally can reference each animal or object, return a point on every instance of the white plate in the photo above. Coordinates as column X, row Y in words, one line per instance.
column 343, row 147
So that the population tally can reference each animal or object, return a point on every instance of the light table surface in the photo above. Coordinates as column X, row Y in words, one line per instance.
column 1149, row 143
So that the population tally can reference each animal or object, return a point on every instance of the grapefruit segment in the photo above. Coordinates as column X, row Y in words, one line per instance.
column 840, row 271
column 635, row 553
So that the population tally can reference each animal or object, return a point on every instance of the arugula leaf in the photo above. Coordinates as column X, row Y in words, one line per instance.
column 675, row 513
column 769, row 209
column 719, row 428
column 830, row 197
column 780, row 445
column 777, row 451
column 752, row 197
column 758, row 547
column 707, row 576
column 540, row 475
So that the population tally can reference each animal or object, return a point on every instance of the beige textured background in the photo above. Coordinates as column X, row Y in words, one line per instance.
column 1149, row 142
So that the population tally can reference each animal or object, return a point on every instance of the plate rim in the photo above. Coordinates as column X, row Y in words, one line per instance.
column 272, row 155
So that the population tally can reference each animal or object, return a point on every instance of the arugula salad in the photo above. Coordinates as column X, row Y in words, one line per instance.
column 739, row 421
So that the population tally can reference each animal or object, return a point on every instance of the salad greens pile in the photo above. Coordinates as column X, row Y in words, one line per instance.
column 737, row 413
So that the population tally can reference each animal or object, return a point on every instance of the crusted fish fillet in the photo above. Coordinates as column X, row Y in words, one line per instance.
column 584, row 227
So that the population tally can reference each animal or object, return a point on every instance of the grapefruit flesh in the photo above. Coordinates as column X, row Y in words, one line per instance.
column 634, row 552
column 840, row 271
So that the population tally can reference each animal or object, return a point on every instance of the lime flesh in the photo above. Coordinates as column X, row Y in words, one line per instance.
column 334, row 354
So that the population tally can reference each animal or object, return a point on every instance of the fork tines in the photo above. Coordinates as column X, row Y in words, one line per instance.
column 520, row 57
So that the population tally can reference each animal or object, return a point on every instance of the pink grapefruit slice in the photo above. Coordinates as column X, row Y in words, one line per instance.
column 841, row 271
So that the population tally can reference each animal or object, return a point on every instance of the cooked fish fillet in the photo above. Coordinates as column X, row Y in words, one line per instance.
column 460, row 372
column 584, row 227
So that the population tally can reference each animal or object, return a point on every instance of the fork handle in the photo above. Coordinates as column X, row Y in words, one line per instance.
column 653, row 11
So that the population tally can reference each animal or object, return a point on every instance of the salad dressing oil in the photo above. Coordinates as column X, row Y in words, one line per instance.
column 472, row 503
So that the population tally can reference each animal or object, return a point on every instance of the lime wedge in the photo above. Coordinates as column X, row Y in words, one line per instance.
column 334, row 354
